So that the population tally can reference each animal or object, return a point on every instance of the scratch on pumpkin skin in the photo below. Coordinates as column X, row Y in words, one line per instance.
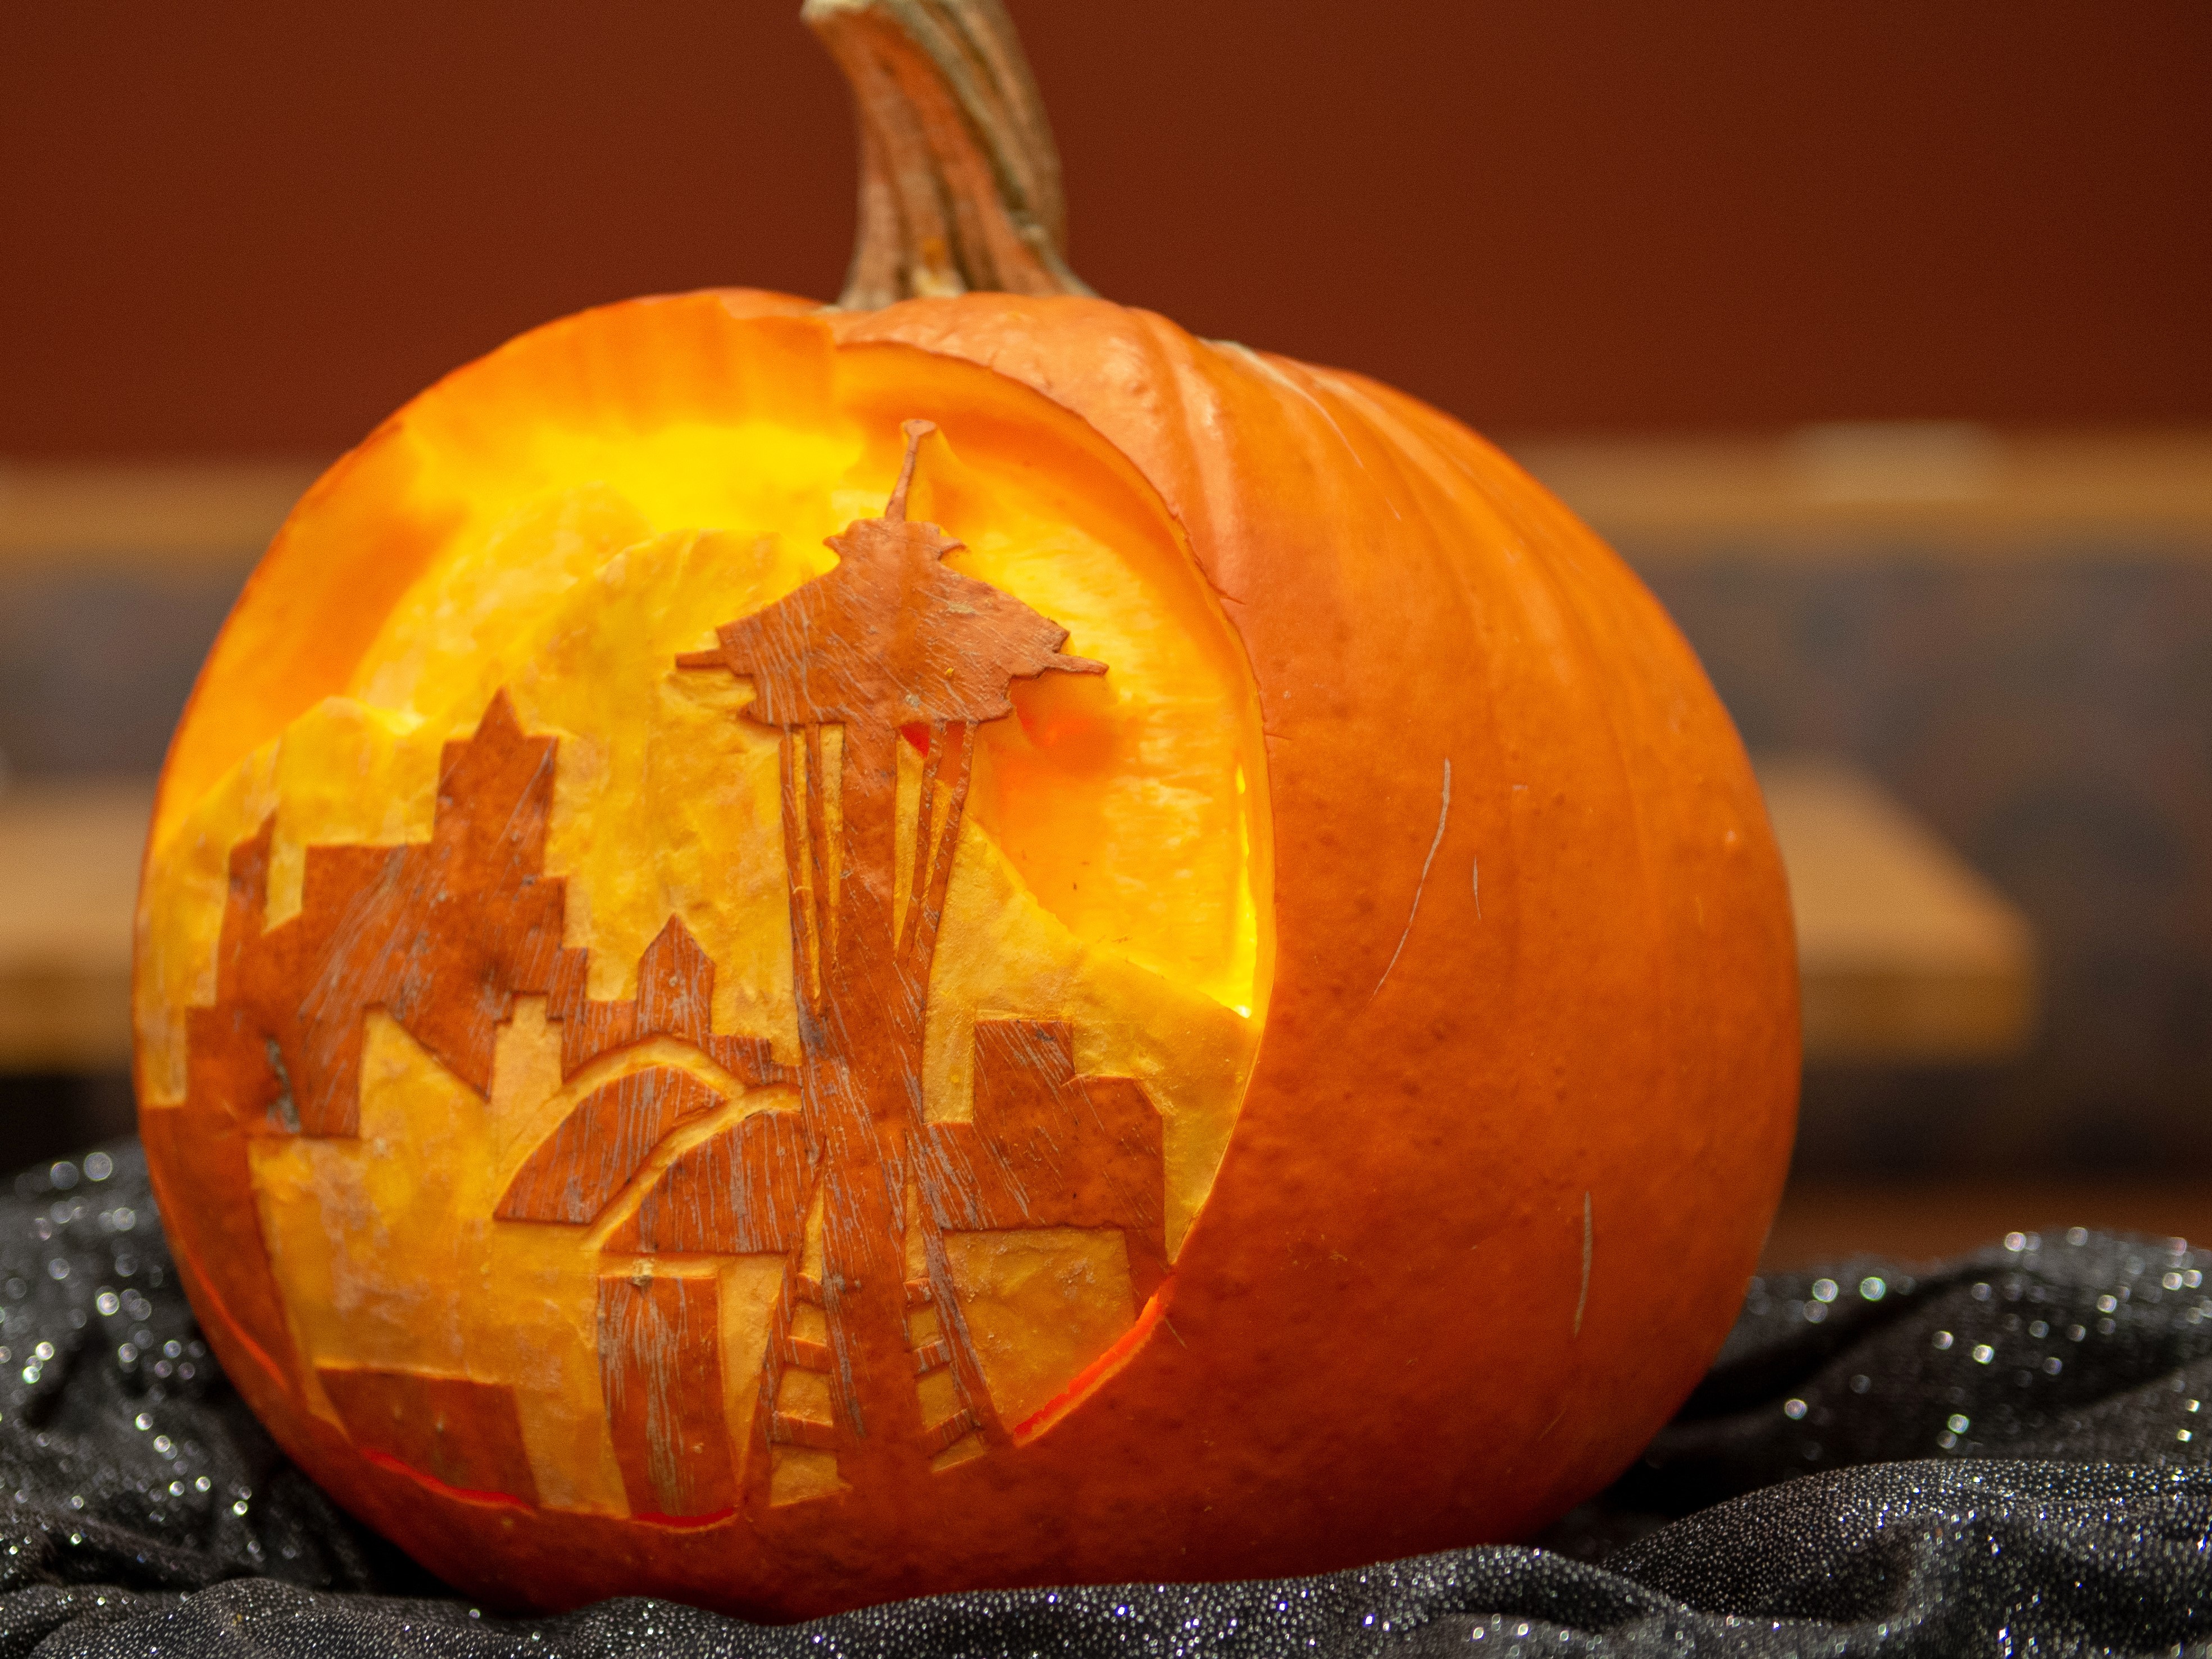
column 1282, row 379
column 1582, row 1301
column 1443, row 817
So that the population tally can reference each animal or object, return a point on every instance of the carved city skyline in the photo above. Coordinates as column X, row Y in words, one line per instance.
column 870, row 1376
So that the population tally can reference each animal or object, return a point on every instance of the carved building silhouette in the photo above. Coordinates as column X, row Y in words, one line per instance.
column 853, row 1185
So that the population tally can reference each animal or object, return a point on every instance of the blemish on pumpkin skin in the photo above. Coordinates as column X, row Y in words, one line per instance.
column 1443, row 817
column 1581, row 1300
column 1277, row 376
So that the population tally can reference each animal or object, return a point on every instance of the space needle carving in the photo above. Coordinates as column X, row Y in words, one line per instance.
column 893, row 646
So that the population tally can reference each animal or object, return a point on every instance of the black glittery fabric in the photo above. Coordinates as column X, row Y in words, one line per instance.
column 2003, row 1456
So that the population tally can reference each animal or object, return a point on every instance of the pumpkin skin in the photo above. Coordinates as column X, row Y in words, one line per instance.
column 1509, row 1096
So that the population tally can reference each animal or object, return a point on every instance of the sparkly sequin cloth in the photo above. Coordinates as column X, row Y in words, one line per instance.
column 2006, row 1456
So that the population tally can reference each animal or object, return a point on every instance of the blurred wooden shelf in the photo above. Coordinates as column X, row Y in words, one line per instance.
column 69, row 884
column 1844, row 490
column 1928, row 1221
column 1947, row 486
column 1862, row 491
column 1905, row 955
column 149, row 517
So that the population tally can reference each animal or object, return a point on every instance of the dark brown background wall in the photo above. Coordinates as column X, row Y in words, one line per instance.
column 259, row 226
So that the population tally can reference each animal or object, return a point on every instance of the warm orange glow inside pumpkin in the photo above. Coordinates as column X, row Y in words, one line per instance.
column 1128, row 806
column 578, row 512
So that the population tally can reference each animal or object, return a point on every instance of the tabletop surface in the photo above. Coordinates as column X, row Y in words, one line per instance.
column 1905, row 953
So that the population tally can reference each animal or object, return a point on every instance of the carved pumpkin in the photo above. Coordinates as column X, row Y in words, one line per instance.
column 792, row 954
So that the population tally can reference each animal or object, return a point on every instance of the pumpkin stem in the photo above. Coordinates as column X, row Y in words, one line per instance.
column 959, row 180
